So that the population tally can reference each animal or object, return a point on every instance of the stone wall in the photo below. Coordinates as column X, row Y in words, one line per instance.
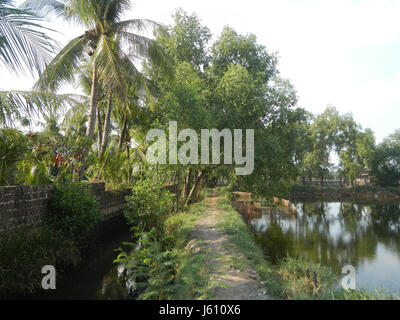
column 26, row 205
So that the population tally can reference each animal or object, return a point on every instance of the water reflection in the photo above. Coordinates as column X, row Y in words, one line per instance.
column 335, row 234
column 98, row 278
column 114, row 287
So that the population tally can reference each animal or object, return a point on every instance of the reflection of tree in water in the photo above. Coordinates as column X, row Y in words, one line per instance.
column 348, row 235
column 113, row 287
column 274, row 243
column 386, row 224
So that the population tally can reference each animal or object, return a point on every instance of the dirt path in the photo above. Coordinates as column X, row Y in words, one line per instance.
column 237, row 284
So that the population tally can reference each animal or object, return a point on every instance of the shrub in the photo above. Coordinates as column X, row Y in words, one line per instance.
column 73, row 210
column 13, row 146
column 148, row 207
column 297, row 275
column 153, row 268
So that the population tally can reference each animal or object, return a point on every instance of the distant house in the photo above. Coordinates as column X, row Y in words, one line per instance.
column 364, row 179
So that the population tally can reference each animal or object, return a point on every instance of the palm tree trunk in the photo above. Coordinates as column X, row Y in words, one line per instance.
column 93, row 103
column 107, row 124
column 92, row 118
column 99, row 131
column 128, row 152
column 123, row 132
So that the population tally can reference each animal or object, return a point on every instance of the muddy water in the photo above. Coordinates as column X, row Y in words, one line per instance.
column 334, row 234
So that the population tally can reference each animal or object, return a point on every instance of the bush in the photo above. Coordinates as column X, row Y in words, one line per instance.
column 153, row 268
column 13, row 146
column 73, row 210
column 148, row 207
column 297, row 275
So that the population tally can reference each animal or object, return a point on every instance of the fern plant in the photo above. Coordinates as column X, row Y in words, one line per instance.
column 151, row 267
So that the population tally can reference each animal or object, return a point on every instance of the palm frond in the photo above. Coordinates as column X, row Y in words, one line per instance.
column 116, row 8
column 66, row 10
column 63, row 66
column 140, row 47
column 135, row 79
column 23, row 41
column 73, row 115
column 108, row 62
column 45, row 7
column 14, row 105
column 138, row 25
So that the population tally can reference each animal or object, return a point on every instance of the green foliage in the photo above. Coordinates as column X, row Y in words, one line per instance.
column 189, row 40
column 73, row 210
column 24, row 252
column 180, row 225
column 233, row 48
column 148, row 206
column 297, row 278
column 31, row 173
column 332, row 132
column 153, row 268
column 386, row 165
column 60, row 241
column 162, row 266
column 358, row 295
column 193, row 280
column 13, row 146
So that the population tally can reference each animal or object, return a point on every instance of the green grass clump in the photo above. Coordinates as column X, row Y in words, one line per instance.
column 298, row 281
column 193, row 280
column 180, row 225
column 361, row 294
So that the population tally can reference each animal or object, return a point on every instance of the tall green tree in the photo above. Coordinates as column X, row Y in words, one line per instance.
column 386, row 164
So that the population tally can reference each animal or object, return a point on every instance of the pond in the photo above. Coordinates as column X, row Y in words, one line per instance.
column 334, row 234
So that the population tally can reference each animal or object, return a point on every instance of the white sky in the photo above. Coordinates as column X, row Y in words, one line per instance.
column 340, row 52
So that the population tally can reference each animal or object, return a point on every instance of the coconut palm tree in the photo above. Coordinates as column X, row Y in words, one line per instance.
column 135, row 84
column 105, row 32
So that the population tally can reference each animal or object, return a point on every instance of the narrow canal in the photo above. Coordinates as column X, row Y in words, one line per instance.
column 334, row 234
column 97, row 278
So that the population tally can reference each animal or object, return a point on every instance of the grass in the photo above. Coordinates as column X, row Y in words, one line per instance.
column 293, row 277
column 193, row 277
column 181, row 224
